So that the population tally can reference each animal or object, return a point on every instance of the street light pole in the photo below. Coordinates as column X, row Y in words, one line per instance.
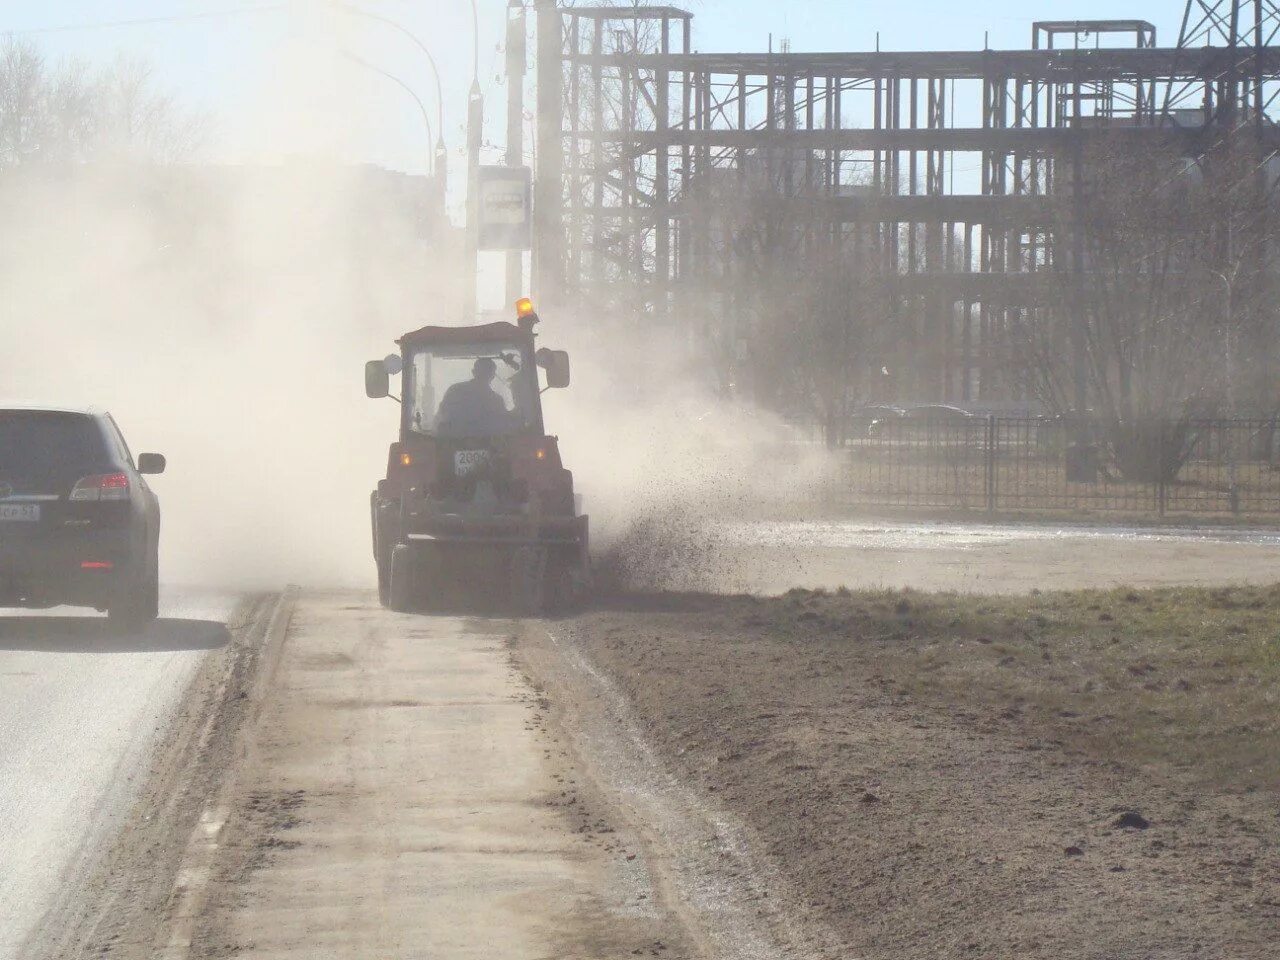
column 475, row 131
column 1228, row 339
column 422, row 107
column 475, row 42
column 515, row 127
column 441, row 164
column 475, row 134
column 546, row 262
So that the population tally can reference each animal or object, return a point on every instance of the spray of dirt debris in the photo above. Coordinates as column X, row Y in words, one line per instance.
column 664, row 461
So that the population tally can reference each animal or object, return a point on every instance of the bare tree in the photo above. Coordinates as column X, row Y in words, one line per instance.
column 810, row 305
column 832, row 344
column 1160, row 240
column 73, row 113
column 23, row 92
column 138, row 121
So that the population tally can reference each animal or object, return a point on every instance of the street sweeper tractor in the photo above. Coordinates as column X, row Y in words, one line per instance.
column 476, row 509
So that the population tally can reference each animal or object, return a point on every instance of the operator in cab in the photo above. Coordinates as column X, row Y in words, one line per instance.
column 473, row 408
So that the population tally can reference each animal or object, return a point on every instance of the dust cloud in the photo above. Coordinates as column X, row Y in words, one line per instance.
column 663, row 459
column 235, row 352
column 221, row 312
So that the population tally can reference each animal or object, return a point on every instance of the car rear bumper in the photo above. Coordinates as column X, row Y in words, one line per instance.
column 81, row 569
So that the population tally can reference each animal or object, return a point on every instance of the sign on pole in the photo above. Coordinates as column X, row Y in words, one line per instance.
column 506, row 208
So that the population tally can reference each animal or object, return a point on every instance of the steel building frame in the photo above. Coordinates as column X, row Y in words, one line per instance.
column 942, row 164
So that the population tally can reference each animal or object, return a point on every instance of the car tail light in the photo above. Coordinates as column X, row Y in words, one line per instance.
column 102, row 486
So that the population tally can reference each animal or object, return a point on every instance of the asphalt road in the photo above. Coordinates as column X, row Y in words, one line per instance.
column 80, row 710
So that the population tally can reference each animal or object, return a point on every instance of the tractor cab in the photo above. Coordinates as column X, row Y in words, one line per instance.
column 474, row 477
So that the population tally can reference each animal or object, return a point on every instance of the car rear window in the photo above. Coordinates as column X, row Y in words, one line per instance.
column 48, row 443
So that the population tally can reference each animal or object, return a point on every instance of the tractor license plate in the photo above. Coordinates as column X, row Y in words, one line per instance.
column 20, row 512
column 469, row 461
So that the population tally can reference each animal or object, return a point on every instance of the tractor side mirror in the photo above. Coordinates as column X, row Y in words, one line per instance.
column 376, row 381
column 556, row 363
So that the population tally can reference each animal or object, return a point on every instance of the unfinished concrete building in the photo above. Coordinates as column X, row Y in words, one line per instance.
column 943, row 165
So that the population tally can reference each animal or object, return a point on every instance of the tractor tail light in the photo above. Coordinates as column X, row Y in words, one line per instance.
column 406, row 466
column 102, row 486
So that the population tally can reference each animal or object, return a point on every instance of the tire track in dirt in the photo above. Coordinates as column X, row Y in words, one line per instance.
column 703, row 857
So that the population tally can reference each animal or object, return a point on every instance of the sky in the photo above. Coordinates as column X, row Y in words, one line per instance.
column 270, row 75
column 227, row 52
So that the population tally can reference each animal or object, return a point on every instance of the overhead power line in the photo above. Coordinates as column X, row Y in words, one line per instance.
column 422, row 107
column 145, row 21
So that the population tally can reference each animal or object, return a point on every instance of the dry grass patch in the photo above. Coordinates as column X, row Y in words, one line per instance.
column 1066, row 776
column 1187, row 677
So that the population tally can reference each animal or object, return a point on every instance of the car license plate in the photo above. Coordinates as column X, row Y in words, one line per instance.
column 469, row 461
column 20, row 512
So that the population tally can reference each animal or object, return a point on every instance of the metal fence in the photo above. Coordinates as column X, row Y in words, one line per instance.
column 1009, row 464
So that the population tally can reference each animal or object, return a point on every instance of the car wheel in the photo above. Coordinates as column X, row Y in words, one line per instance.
column 151, row 592
column 138, row 602
column 402, row 580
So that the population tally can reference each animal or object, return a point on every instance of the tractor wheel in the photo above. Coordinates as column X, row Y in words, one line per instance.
column 430, row 580
column 402, row 581
column 563, row 595
column 529, row 581
column 381, row 554
column 384, row 578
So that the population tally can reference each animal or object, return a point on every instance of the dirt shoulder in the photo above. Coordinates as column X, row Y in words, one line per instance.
column 116, row 901
column 1090, row 774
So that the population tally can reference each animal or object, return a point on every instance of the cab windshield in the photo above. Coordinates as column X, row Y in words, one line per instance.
column 476, row 390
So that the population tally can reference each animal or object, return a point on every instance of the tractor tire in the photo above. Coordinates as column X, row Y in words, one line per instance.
column 430, row 577
column 402, row 585
column 529, row 581
column 383, row 560
column 563, row 594
column 381, row 553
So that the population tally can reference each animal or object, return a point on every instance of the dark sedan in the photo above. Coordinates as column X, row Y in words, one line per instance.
column 865, row 421
column 78, row 523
